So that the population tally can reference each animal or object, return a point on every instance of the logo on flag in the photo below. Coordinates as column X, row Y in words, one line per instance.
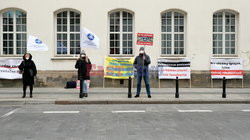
column 38, row 41
column 35, row 44
column 89, row 39
column 90, row 36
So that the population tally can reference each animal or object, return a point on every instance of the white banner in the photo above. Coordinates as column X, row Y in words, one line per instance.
column 89, row 39
column 35, row 44
column 9, row 69
column 170, row 69
column 228, row 68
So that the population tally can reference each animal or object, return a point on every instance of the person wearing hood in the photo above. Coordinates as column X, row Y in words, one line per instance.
column 141, row 64
column 84, row 66
column 28, row 70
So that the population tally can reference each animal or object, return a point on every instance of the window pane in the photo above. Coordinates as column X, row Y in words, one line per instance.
column 125, row 42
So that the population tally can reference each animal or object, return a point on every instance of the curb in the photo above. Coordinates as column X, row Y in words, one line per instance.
column 72, row 102
column 122, row 101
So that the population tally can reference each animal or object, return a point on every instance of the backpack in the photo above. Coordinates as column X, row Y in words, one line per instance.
column 71, row 84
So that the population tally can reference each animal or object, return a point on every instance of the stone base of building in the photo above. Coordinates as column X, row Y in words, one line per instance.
column 199, row 79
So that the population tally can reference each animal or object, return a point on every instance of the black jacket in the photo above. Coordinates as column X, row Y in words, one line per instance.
column 140, row 64
column 83, row 69
column 28, row 68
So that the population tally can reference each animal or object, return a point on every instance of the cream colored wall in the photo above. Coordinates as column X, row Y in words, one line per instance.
column 94, row 16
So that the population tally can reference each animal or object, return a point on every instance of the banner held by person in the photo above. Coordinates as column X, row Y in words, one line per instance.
column 89, row 39
column 35, row 44
column 118, row 68
column 9, row 69
column 228, row 68
column 145, row 39
column 170, row 69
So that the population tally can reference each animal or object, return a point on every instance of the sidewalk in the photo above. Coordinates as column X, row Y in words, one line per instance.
column 12, row 96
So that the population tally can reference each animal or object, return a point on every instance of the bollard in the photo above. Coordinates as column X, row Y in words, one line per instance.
column 129, row 88
column 224, row 95
column 177, row 87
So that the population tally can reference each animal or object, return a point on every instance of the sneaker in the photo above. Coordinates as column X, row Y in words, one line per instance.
column 136, row 96
column 149, row 96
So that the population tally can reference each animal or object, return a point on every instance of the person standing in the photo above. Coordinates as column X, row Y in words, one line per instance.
column 84, row 66
column 141, row 64
column 28, row 70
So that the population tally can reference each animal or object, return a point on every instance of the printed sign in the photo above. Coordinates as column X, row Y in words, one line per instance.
column 9, row 69
column 228, row 68
column 170, row 69
column 145, row 39
column 118, row 68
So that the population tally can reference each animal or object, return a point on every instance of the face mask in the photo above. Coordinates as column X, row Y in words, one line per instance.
column 82, row 55
column 141, row 52
column 27, row 58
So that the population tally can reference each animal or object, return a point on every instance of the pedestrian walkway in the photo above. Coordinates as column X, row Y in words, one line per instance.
column 120, row 96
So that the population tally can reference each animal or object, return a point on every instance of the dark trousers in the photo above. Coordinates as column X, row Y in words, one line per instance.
column 24, row 89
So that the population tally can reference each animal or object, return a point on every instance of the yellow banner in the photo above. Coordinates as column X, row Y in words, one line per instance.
column 118, row 68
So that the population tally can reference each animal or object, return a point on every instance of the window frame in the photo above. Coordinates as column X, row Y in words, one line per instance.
column 224, row 33
column 121, row 33
column 14, row 10
column 68, row 33
column 173, row 11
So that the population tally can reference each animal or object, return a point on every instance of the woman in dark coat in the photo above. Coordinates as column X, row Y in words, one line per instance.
column 84, row 66
column 28, row 70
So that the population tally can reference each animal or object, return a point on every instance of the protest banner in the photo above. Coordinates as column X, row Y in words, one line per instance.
column 228, row 68
column 145, row 39
column 9, row 69
column 118, row 68
column 170, row 69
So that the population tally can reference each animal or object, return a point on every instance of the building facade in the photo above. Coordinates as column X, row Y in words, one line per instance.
column 193, row 29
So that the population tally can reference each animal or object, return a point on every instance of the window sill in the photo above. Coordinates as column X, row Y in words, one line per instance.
column 11, row 56
column 64, row 58
column 173, row 56
column 225, row 55
column 120, row 56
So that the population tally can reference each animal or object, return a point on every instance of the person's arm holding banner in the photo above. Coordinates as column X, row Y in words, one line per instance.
column 21, row 67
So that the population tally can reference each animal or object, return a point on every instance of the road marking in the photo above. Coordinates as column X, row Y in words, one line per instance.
column 129, row 111
column 245, row 110
column 61, row 112
column 194, row 111
column 9, row 113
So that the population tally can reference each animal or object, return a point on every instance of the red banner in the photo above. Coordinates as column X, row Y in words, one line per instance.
column 145, row 39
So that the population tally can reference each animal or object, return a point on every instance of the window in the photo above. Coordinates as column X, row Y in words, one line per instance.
column 172, row 33
column 121, row 33
column 68, row 33
column 14, row 36
column 224, row 33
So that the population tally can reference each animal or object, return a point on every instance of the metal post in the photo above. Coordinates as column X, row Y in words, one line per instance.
column 224, row 95
column 177, row 87
column 129, row 88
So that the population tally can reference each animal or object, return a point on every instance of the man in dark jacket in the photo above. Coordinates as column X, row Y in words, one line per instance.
column 141, row 64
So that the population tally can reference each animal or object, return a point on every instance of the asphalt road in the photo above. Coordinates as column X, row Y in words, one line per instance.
column 125, row 122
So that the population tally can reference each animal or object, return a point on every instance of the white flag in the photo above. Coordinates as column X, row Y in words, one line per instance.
column 89, row 39
column 35, row 44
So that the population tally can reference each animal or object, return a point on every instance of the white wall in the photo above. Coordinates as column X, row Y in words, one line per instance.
column 94, row 16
